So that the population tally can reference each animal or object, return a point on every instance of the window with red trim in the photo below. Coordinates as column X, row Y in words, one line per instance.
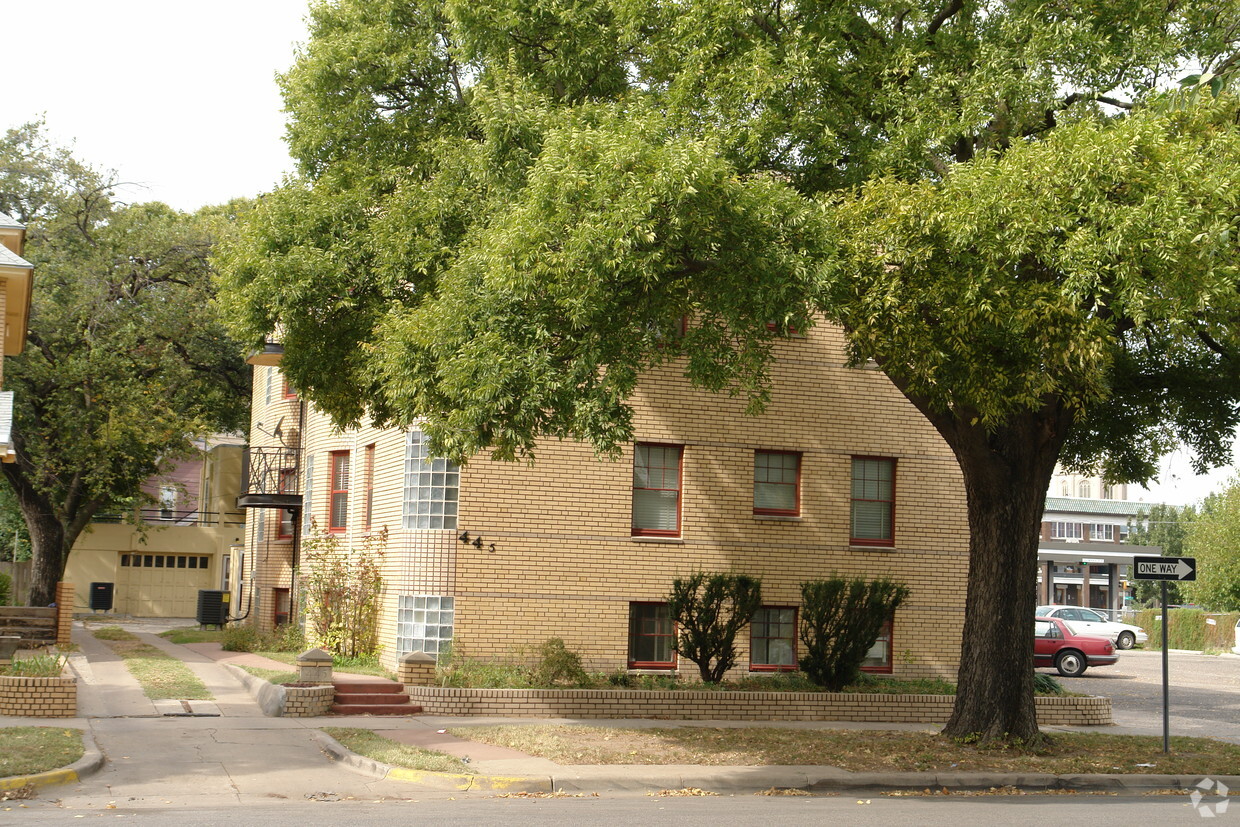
column 656, row 489
column 289, row 391
column 878, row 659
column 369, row 483
column 652, row 636
column 777, row 483
column 288, row 483
column 281, row 604
column 773, row 639
column 338, row 502
column 873, row 501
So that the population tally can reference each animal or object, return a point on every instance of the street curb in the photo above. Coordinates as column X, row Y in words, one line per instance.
column 1031, row 782
column 269, row 696
column 459, row 782
column 89, row 764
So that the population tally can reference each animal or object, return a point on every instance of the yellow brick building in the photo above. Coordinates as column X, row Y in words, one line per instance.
column 840, row 475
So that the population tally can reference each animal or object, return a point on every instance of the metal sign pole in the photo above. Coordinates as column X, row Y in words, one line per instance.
column 1166, row 619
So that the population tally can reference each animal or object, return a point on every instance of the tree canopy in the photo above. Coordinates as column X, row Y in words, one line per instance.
column 504, row 206
column 1212, row 537
column 125, row 360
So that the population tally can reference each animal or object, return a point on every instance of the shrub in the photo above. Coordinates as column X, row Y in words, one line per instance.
column 6, row 589
column 341, row 587
column 37, row 666
column 1044, row 684
column 285, row 638
column 239, row 639
column 710, row 609
column 559, row 664
column 840, row 620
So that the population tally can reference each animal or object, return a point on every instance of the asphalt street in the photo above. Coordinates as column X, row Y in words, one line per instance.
column 1204, row 692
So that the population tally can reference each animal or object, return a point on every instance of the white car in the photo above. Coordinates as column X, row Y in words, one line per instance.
column 1089, row 622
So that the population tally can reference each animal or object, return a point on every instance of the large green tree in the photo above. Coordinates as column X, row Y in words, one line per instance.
column 1164, row 526
column 505, row 205
column 125, row 361
column 1212, row 537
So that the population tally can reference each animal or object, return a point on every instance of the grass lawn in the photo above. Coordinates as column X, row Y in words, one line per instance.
column 858, row 750
column 386, row 751
column 192, row 634
column 271, row 675
column 161, row 675
column 347, row 666
column 25, row 750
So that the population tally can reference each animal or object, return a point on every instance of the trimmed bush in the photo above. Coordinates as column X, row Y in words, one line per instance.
column 840, row 620
column 239, row 639
column 710, row 609
column 559, row 665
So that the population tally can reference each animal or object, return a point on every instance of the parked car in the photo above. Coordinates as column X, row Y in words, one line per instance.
column 1123, row 635
column 1059, row 644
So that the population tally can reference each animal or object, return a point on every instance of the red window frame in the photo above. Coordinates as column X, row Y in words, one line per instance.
column 338, row 499
column 289, row 391
column 756, row 666
column 885, row 632
column 368, row 481
column 854, row 500
column 795, row 511
column 281, row 606
column 662, row 473
column 288, row 480
column 646, row 628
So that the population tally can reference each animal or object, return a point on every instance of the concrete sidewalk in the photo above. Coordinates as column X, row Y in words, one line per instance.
column 229, row 753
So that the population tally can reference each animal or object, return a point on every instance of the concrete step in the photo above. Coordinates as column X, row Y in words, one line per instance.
column 376, row 709
column 370, row 698
column 376, row 686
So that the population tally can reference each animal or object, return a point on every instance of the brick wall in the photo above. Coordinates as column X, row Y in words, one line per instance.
column 64, row 613
column 308, row 701
column 564, row 563
column 38, row 697
column 729, row 706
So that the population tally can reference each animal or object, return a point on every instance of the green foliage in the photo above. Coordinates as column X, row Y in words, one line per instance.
column 341, row 591
column 6, row 589
column 1213, row 538
column 557, row 664
column 709, row 610
column 125, row 363
column 238, row 638
column 285, row 638
column 502, row 210
column 1164, row 526
column 42, row 665
column 1044, row 684
column 840, row 620
column 1190, row 629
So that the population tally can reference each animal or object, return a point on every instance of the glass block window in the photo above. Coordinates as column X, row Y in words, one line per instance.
column 307, row 508
column 432, row 487
column 424, row 623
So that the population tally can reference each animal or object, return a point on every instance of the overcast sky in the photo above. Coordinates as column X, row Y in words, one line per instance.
column 180, row 98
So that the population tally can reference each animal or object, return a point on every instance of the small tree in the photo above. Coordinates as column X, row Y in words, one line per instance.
column 710, row 609
column 840, row 620
column 341, row 589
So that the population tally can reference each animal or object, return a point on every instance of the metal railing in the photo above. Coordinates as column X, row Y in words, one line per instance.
column 167, row 516
column 271, row 471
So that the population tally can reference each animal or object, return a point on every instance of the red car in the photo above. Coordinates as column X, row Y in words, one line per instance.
column 1056, row 643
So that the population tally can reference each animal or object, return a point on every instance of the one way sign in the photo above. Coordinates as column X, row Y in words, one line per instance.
column 1164, row 568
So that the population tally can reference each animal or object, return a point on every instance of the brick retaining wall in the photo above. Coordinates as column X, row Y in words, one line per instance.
column 730, row 706
column 308, row 701
column 38, row 697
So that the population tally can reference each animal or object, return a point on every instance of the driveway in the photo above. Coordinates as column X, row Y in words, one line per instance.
column 1204, row 692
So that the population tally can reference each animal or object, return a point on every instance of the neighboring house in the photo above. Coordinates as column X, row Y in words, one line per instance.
column 840, row 475
column 1084, row 555
column 156, row 561
column 16, row 279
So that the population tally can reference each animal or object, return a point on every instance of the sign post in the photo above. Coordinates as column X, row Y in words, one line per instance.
column 1164, row 569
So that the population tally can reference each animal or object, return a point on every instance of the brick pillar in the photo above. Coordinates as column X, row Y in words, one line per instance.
column 417, row 669
column 314, row 666
column 64, row 612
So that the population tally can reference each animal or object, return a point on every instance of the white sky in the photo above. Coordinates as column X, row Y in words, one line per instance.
column 179, row 97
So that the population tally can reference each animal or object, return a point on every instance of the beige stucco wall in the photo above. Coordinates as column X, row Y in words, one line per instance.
column 565, row 565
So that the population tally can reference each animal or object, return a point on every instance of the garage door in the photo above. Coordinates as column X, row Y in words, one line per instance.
column 162, row 585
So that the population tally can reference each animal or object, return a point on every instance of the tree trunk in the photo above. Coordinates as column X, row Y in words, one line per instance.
column 1006, row 475
column 48, row 556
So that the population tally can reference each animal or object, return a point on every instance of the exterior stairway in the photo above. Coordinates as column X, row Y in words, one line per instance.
column 371, row 696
